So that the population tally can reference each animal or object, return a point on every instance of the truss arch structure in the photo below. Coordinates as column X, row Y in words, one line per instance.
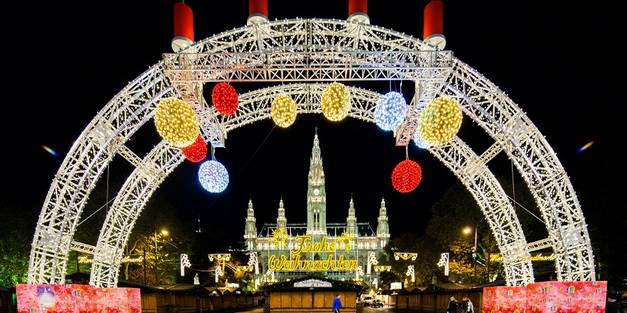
column 309, row 51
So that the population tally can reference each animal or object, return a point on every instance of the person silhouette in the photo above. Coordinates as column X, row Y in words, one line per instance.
column 337, row 303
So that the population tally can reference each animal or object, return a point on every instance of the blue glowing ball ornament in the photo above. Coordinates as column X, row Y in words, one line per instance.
column 390, row 111
column 213, row 176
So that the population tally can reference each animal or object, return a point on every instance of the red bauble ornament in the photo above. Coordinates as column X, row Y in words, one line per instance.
column 406, row 176
column 224, row 98
column 197, row 151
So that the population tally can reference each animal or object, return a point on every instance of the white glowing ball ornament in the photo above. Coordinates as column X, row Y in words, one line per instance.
column 213, row 176
column 390, row 111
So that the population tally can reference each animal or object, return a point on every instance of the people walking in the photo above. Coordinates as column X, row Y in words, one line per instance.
column 468, row 306
column 452, row 306
column 337, row 303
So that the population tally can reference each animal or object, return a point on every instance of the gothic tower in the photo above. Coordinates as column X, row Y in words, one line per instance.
column 250, row 231
column 351, row 220
column 281, row 220
column 383, row 230
column 316, row 194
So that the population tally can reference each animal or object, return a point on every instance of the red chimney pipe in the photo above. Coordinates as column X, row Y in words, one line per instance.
column 433, row 19
column 357, row 6
column 258, row 7
column 183, row 21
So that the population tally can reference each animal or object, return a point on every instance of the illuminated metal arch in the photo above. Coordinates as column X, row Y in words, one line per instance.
column 255, row 106
column 343, row 51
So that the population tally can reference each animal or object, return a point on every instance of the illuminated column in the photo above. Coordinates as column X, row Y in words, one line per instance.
column 184, row 262
column 254, row 261
column 372, row 260
column 443, row 262
column 411, row 272
column 218, row 273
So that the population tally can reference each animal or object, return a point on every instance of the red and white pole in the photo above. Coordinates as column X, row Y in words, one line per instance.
column 183, row 27
column 433, row 27
column 257, row 11
column 358, row 11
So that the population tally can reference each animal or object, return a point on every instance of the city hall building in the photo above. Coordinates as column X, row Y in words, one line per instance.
column 342, row 251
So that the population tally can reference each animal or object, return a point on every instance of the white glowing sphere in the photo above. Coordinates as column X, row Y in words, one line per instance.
column 390, row 111
column 213, row 176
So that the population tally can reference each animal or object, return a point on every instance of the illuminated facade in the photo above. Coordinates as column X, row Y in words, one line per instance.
column 342, row 251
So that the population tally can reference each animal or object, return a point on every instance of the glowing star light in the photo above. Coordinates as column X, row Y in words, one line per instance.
column 335, row 102
column 390, row 111
column 440, row 121
column 225, row 99
column 49, row 150
column 213, row 176
column 406, row 176
column 585, row 147
column 283, row 111
column 197, row 151
column 176, row 122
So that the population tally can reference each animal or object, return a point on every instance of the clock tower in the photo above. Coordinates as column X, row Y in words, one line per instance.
column 316, row 194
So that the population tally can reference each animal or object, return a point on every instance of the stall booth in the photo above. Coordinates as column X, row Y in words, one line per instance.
column 311, row 295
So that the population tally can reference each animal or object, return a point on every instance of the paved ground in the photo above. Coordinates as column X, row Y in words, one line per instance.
column 366, row 310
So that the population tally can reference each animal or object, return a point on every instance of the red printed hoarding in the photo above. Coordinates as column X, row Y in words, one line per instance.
column 561, row 297
column 36, row 298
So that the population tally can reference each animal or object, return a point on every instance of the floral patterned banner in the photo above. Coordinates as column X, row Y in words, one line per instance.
column 553, row 296
column 41, row 298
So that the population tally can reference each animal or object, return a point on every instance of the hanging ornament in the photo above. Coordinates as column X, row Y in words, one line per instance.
column 213, row 176
column 406, row 176
column 335, row 102
column 176, row 122
column 283, row 111
column 390, row 111
column 440, row 121
column 420, row 143
column 197, row 151
column 224, row 98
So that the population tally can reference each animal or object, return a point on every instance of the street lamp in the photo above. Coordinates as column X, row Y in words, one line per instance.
column 466, row 231
column 165, row 232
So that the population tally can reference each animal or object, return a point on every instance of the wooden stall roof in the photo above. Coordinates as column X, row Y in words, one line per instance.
column 314, row 283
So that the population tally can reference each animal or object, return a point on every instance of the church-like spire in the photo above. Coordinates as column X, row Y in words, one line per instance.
column 250, row 231
column 281, row 220
column 351, row 220
column 316, row 194
column 383, row 229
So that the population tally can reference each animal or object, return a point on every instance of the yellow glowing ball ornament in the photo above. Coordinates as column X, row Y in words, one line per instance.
column 283, row 111
column 176, row 122
column 335, row 102
column 440, row 121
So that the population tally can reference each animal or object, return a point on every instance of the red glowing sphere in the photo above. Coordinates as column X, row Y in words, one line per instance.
column 224, row 98
column 197, row 151
column 406, row 176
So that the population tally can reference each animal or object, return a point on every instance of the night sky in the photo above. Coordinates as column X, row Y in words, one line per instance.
column 555, row 59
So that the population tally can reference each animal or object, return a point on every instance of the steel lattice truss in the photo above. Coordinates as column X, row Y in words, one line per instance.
column 266, row 52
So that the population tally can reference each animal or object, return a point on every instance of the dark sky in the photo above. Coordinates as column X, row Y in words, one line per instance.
column 556, row 59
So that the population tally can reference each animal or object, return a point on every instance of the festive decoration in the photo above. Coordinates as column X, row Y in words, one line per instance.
column 224, row 98
column 176, row 122
column 420, row 143
column 197, row 151
column 406, row 176
column 390, row 111
column 335, row 102
column 440, row 121
column 213, row 176
column 283, row 111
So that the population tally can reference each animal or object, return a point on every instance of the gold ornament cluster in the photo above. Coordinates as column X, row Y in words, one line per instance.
column 335, row 102
column 283, row 111
column 176, row 122
column 440, row 121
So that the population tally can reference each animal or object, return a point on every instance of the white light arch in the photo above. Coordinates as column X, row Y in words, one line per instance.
column 311, row 50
